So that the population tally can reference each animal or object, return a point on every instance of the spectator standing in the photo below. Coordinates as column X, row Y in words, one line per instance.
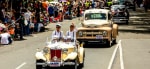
column 2, row 14
column 102, row 3
column 21, row 26
column 78, row 11
column 45, row 4
column 139, row 2
column 51, row 10
column 93, row 4
column 27, row 16
column 55, row 10
column 146, row 4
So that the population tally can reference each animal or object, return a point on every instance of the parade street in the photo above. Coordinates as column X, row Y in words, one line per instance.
column 135, row 42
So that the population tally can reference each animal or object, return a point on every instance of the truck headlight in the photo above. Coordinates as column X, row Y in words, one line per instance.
column 104, row 33
column 80, row 33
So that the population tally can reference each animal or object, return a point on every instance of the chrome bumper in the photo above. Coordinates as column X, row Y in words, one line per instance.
column 117, row 20
column 44, row 64
column 93, row 41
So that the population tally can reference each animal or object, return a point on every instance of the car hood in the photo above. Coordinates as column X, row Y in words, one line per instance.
column 93, row 23
column 61, row 45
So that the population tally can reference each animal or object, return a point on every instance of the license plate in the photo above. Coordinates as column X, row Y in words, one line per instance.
column 99, row 37
column 117, row 20
column 55, row 64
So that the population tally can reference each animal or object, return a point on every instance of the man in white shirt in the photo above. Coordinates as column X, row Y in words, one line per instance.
column 72, row 32
column 27, row 16
column 58, row 32
column 5, row 38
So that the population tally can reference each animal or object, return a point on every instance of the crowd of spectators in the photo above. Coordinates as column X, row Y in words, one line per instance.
column 25, row 18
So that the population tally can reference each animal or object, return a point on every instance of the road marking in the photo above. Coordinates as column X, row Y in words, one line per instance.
column 19, row 67
column 121, row 56
column 113, row 55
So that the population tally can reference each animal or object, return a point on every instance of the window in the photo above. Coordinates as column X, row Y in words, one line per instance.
column 90, row 16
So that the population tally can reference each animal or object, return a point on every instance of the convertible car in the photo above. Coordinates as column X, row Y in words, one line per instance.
column 61, row 54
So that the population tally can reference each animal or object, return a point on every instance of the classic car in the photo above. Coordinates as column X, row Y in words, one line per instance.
column 128, row 3
column 60, row 54
column 97, row 27
column 120, row 14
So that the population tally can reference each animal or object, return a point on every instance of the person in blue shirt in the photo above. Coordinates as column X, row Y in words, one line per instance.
column 51, row 10
column 93, row 4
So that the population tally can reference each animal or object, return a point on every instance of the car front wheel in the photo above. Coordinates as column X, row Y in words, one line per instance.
column 81, row 65
column 38, row 67
column 127, row 22
column 74, row 66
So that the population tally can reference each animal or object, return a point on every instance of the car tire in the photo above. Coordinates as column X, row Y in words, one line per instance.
column 82, row 64
column 114, row 41
column 127, row 22
column 108, row 43
column 38, row 66
column 134, row 9
column 74, row 66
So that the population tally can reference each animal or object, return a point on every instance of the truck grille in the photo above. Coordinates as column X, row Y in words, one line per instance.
column 92, row 33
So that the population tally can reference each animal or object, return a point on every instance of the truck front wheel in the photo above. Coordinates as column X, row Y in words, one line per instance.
column 108, row 43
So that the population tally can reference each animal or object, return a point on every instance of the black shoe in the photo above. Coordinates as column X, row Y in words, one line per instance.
column 22, row 39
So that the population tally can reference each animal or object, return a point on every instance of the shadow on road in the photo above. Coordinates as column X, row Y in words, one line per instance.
column 97, row 46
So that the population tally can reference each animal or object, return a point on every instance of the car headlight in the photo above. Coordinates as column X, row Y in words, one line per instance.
column 45, row 50
column 65, row 50
column 80, row 33
column 104, row 33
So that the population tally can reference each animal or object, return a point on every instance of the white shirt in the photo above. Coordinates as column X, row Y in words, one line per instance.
column 59, row 34
column 4, row 38
column 27, row 15
column 72, row 34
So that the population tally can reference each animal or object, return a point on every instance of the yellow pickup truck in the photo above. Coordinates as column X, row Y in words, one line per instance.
column 97, row 27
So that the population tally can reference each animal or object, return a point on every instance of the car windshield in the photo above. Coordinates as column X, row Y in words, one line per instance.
column 117, row 7
column 90, row 16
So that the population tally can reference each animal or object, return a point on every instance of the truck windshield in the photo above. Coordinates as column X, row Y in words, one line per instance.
column 90, row 16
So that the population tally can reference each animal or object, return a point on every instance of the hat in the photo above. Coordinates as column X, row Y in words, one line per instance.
column 58, row 25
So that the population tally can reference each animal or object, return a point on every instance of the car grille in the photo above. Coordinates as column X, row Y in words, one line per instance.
column 55, row 54
column 92, row 33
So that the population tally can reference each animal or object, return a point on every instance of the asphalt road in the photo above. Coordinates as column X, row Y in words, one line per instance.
column 135, row 43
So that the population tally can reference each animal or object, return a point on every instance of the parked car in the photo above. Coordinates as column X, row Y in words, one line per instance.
column 97, row 27
column 59, row 54
column 120, row 14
